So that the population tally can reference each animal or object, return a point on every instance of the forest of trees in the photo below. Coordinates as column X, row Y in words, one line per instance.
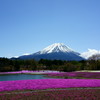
column 43, row 64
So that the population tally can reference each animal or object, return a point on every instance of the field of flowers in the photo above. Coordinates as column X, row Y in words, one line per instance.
column 50, row 86
column 30, row 72
column 93, row 75
column 81, row 94
column 37, row 84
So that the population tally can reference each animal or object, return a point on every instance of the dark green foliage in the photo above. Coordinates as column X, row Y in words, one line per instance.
column 69, row 67
column 44, row 64
column 6, row 64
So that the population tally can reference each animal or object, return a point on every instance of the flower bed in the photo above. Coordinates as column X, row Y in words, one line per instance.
column 31, row 72
column 95, row 75
column 47, row 84
column 82, row 94
column 76, row 74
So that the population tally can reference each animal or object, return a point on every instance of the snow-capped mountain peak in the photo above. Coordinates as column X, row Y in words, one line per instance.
column 56, row 51
column 56, row 47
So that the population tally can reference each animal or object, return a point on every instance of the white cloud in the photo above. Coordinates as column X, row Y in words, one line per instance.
column 89, row 53
column 16, row 56
column 22, row 54
column 26, row 54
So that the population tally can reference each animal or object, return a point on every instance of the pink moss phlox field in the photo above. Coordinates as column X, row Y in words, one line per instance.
column 47, row 84
column 27, row 71
column 82, row 94
column 18, row 72
column 77, row 74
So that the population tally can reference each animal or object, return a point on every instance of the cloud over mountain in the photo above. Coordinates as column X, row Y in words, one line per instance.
column 89, row 53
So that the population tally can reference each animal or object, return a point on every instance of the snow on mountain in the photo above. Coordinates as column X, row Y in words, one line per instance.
column 57, row 51
column 89, row 53
column 56, row 47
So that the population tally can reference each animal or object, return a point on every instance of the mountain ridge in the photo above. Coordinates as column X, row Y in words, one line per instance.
column 57, row 51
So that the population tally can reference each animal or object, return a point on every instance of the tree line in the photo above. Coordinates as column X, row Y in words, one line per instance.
column 44, row 64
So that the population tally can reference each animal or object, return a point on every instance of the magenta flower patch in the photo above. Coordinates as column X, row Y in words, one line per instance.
column 47, row 84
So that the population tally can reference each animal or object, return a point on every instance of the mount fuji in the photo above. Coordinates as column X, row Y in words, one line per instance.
column 56, row 51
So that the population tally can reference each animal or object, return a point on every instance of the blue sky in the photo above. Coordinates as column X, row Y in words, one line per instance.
column 27, row 26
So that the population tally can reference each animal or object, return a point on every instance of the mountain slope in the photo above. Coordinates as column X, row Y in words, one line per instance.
column 56, row 51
